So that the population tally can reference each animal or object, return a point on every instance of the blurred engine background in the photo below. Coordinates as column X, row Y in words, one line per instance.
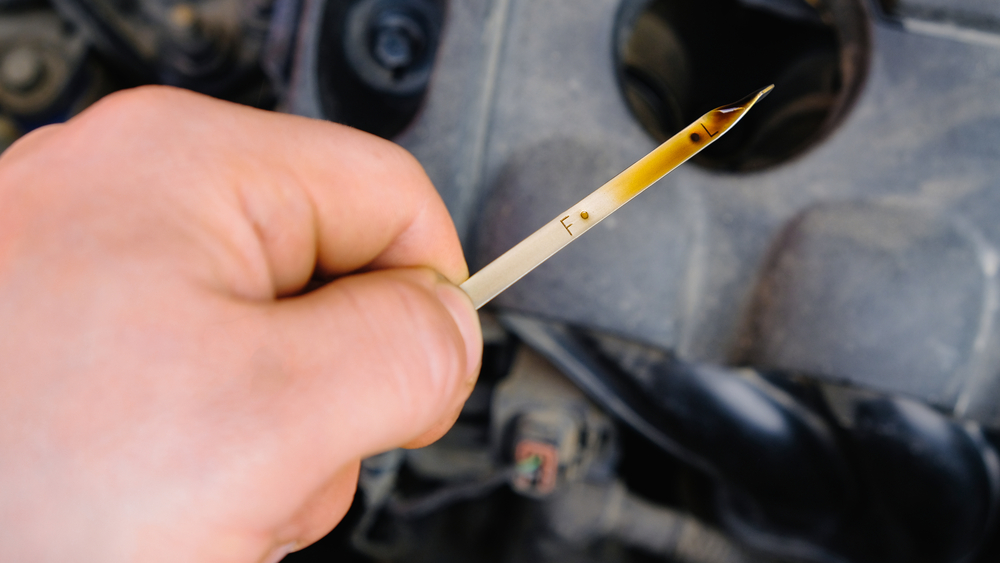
column 786, row 351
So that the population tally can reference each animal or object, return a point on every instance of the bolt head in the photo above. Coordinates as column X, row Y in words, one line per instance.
column 393, row 49
column 397, row 40
column 21, row 69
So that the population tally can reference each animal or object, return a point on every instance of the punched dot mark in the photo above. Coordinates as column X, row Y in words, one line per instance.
column 695, row 137
column 584, row 214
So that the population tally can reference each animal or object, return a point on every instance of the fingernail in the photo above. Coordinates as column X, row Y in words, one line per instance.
column 460, row 306
column 279, row 553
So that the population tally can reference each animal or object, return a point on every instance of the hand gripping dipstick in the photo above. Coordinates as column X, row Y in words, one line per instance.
column 501, row 273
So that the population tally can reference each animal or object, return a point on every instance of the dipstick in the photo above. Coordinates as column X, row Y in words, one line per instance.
column 512, row 265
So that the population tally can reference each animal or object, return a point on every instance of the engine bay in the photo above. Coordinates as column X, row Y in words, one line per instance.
column 786, row 351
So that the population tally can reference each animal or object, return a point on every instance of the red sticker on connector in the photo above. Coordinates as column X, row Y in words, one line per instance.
column 542, row 480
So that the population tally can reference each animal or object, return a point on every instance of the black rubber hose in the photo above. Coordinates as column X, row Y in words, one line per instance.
column 779, row 459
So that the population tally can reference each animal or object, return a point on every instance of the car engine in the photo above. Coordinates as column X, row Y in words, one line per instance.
column 788, row 350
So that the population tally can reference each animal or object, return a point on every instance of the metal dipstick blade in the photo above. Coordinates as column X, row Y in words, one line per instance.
column 514, row 264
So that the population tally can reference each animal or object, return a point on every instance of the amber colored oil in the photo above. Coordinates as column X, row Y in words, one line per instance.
column 557, row 233
column 679, row 148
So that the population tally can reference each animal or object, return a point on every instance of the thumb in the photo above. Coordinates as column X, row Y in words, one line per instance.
column 378, row 360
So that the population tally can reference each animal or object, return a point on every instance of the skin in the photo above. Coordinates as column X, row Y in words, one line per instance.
column 168, row 389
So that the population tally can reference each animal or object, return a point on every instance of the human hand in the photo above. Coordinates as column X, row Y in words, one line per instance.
column 166, row 391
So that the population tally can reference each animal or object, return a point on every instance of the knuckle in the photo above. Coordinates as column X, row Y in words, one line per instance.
column 412, row 167
column 140, row 100
column 405, row 165
column 136, row 111
column 33, row 143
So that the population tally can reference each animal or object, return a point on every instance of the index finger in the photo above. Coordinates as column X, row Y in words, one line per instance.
column 317, row 195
